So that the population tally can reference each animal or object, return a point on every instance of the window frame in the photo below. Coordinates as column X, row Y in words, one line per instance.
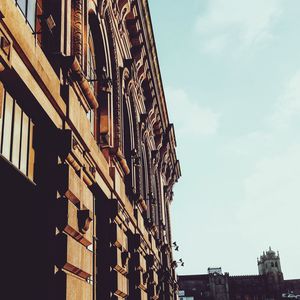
column 16, row 136
column 26, row 12
column 91, row 76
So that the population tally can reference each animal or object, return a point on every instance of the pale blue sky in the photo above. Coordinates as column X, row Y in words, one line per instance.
column 231, row 74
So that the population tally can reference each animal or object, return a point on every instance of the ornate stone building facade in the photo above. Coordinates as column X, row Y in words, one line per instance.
column 87, row 152
column 268, row 285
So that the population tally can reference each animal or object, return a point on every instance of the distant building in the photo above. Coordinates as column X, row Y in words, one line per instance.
column 268, row 285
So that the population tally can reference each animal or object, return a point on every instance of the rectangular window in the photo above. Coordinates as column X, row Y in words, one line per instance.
column 91, row 118
column 22, row 5
column 15, row 156
column 7, row 126
column 28, row 8
column 16, row 132
column 24, row 144
column 31, row 12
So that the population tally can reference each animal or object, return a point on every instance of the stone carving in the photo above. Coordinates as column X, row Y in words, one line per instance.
column 77, row 30
column 85, row 217
column 102, row 8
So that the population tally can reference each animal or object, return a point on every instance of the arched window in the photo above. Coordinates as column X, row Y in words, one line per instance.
column 127, row 148
column 145, row 181
column 91, row 76
column 91, row 63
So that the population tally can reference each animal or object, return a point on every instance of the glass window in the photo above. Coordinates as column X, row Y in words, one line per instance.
column 91, row 117
column 7, row 126
column 16, row 137
column 91, row 77
column 28, row 8
column 16, row 143
column 24, row 144
column 31, row 12
column 91, row 65
column 22, row 5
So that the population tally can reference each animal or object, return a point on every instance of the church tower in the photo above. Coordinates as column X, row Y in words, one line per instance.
column 269, row 263
column 269, row 267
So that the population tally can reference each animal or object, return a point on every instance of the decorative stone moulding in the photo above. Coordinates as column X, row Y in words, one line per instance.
column 153, row 277
column 117, row 210
column 65, row 249
column 78, row 29
column 117, row 153
column 119, row 284
column 125, row 256
column 155, row 231
column 72, row 64
column 146, row 277
column 119, row 237
column 103, row 5
column 85, row 217
column 70, row 149
column 142, row 204
column 139, row 280
column 66, row 215
column 69, row 183
column 124, row 4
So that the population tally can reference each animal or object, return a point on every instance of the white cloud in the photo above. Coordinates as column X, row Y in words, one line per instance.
column 270, row 184
column 282, row 120
column 288, row 106
column 240, row 22
column 250, row 144
column 271, row 204
column 189, row 117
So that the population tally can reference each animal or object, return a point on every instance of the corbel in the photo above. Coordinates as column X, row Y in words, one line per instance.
column 72, row 63
column 117, row 153
column 146, row 277
column 142, row 204
column 85, row 217
column 150, row 261
column 125, row 256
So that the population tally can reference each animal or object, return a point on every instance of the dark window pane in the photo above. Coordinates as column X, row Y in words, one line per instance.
column 31, row 13
column 15, row 158
column 22, row 5
column 8, row 111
